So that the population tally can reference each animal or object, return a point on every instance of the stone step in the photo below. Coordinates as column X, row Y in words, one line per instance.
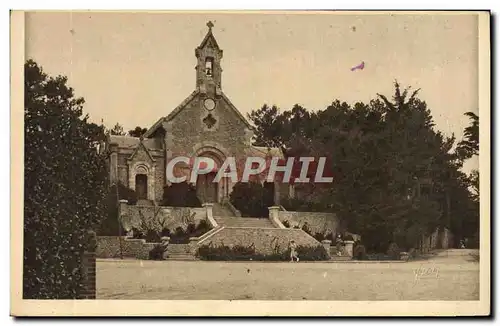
column 340, row 258
column 178, row 249
column 243, row 222
column 144, row 202
column 221, row 210
column 181, row 257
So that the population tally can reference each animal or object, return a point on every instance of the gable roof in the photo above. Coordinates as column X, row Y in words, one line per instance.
column 141, row 145
column 171, row 115
column 181, row 106
column 130, row 142
column 238, row 113
column 209, row 37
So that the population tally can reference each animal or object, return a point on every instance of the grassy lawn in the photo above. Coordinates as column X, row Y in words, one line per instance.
column 446, row 277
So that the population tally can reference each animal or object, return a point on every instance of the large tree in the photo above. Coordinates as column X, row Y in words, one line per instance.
column 469, row 146
column 137, row 132
column 117, row 130
column 395, row 177
column 64, row 185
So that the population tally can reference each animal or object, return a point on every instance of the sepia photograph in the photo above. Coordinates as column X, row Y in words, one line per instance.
column 250, row 163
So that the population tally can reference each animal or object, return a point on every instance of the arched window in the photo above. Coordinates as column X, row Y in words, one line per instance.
column 209, row 66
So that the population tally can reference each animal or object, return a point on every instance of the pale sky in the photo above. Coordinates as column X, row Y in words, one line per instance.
column 134, row 68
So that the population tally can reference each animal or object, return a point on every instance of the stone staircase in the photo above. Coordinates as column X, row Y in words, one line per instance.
column 221, row 210
column 243, row 222
column 145, row 202
column 179, row 252
column 335, row 257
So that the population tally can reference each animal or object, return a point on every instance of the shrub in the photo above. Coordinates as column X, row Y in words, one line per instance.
column 110, row 225
column 180, row 194
column 192, row 230
column 65, row 186
column 359, row 252
column 312, row 253
column 249, row 199
column 150, row 228
column 319, row 236
column 202, row 228
column 286, row 224
column 165, row 232
column 306, row 228
column 157, row 252
column 393, row 251
column 238, row 253
column 330, row 236
column 299, row 205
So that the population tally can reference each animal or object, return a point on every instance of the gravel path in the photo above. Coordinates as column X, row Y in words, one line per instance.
column 450, row 275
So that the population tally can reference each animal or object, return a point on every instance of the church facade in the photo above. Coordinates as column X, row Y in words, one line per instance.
column 205, row 124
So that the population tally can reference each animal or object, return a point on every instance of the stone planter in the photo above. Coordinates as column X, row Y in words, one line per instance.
column 404, row 256
column 326, row 244
column 348, row 247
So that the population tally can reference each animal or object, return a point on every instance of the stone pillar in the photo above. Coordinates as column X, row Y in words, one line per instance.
column 193, row 245
column 274, row 217
column 327, row 244
column 277, row 191
column 88, row 267
column 210, row 217
column 122, row 210
column 113, row 164
column 164, row 242
column 349, row 246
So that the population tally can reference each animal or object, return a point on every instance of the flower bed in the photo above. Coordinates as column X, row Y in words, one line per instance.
column 242, row 253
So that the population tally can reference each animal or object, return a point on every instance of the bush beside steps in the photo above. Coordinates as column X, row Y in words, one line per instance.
column 245, row 253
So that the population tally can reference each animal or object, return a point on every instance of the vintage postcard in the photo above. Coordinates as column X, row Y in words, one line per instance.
column 240, row 163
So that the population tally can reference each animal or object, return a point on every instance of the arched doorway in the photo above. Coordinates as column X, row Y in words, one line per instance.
column 206, row 188
column 141, row 186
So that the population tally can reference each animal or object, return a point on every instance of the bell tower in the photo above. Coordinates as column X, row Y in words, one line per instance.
column 208, row 67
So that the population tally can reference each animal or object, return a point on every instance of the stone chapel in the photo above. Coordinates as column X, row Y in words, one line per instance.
column 205, row 124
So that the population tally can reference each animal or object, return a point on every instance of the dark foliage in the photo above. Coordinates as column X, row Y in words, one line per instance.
column 110, row 225
column 157, row 252
column 251, row 199
column 64, row 186
column 380, row 154
column 393, row 251
column 242, row 253
column 192, row 231
column 299, row 205
column 137, row 132
column 359, row 252
column 180, row 194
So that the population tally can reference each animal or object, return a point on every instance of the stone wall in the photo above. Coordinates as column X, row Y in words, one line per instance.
column 174, row 216
column 159, row 178
column 88, row 268
column 439, row 239
column 317, row 222
column 264, row 240
column 109, row 247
